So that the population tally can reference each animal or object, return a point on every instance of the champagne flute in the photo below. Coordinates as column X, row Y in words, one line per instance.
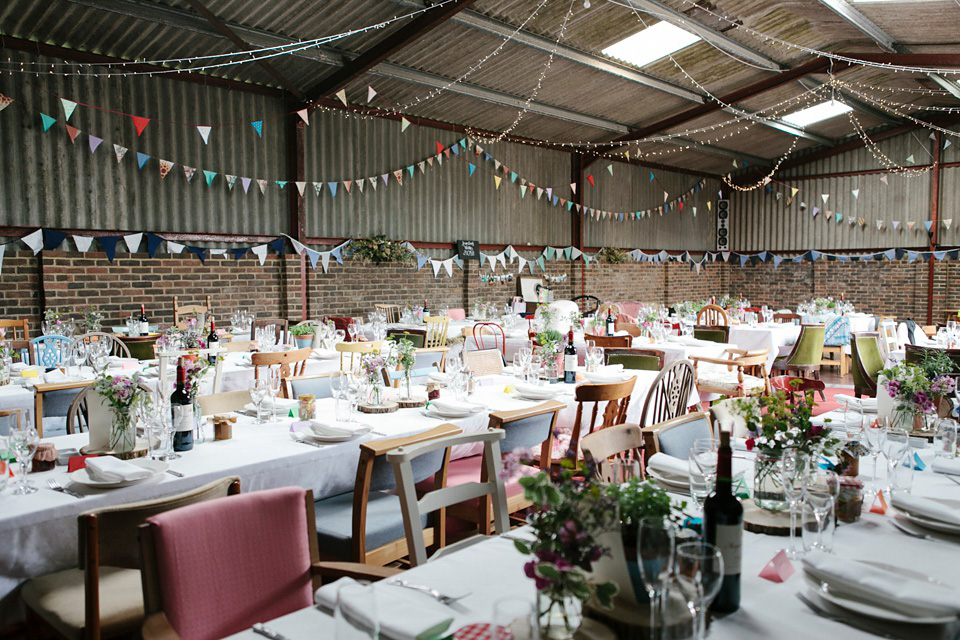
column 699, row 570
column 794, row 468
column 896, row 443
column 353, row 329
column 24, row 443
column 274, row 379
column 656, row 541
column 873, row 435
column 257, row 393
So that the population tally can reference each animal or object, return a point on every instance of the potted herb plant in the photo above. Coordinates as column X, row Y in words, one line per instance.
column 303, row 334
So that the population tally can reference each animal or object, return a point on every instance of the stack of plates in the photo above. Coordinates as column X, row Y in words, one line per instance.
column 938, row 514
column 533, row 392
column 312, row 430
column 451, row 409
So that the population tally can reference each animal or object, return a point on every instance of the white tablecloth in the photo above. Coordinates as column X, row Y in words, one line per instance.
column 493, row 570
column 858, row 321
column 15, row 396
column 777, row 337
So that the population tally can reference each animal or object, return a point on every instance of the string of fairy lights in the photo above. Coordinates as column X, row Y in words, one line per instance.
column 738, row 125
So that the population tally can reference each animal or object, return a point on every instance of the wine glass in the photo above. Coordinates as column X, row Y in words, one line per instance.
column 702, row 464
column 454, row 365
column 593, row 358
column 699, row 571
column 656, row 540
column 339, row 335
column 353, row 329
column 533, row 369
column 257, row 393
column 873, row 436
column 24, row 443
column 896, row 443
column 274, row 381
column 78, row 355
column 820, row 493
column 353, row 392
column 623, row 470
column 794, row 468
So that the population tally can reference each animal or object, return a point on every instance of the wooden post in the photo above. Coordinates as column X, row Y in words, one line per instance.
column 298, row 223
column 935, row 218
column 576, row 221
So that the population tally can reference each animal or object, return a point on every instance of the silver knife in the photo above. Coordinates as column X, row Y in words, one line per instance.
column 175, row 473
column 267, row 632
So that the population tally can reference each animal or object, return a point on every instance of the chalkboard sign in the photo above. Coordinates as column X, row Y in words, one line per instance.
column 468, row 250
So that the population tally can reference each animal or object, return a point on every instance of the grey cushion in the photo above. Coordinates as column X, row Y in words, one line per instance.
column 335, row 522
column 319, row 387
column 677, row 441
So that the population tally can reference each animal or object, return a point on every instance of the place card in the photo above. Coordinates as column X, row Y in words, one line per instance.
column 30, row 373
column 879, row 504
column 779, row 568
column 915, row 462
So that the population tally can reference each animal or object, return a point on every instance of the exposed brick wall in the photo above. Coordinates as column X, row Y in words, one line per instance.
column 72, row 280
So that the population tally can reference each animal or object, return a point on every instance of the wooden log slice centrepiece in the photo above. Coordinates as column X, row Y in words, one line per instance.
column 771, row 523
column 413, row 402
column 387, row 406
column 631, row 621
column 139, row 451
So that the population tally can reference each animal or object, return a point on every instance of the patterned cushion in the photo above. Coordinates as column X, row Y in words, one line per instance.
column 837, row 333
column 727, row 382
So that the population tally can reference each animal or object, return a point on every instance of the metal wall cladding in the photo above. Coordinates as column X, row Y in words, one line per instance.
column 443, row 202
column 759, row 221
column 51, row 182
column 630, row 189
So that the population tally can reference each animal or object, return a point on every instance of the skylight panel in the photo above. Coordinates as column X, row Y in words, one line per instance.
column 651, row 44
column 816, row 113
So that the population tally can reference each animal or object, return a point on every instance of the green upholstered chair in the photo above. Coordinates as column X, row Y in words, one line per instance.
column 804, row 359
column 416, row 336
column 712, row 333
column 867, row 362
column 641, row 359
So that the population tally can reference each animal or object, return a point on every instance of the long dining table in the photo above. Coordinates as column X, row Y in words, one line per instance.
column 40, row 530
column 492, row 571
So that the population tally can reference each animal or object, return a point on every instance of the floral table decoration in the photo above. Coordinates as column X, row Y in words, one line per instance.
column 120, row 393
column 917, row 389
column 303, row 334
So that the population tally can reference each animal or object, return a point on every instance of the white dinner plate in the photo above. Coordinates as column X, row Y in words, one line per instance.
column 929, row 523
column 282, row 409
column 858, row 606
column 669, row 483
column 82, row 476
column 430, row 412
column 536, row 397
column 325, row 354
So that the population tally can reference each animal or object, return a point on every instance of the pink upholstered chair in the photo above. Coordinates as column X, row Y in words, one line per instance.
column 457, row 314
column 214, row 569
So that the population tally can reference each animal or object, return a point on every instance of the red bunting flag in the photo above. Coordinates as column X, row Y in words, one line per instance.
column 73, row 132
column 439, row 148
column 591, row 181
column 140, row 123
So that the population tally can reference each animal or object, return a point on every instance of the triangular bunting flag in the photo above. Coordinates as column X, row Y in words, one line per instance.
column 421, row 260
column 610, row 168
column 665, row 196
column 373, row 182
column 879, row 225
column 204, row 131
column 263, row 186
column 261, row 252
column 325, row 260
column 94, row 142
column 333, row 188
column 314, row 256
column 825, row 197
column 153, row 243
column 4, row 103
column 142, row 159
column 231, row 180
column 422, row 166
column 910, row 225
column 300, row 186
column 471, row 168
column 573, row 187
column 133, row 240
column 73, row 132
column 928, row 224
column 347, row 184
column 109, row 246
column 910, row 158
column 398, row 174
column 883, row 179
column 947, row 222
column 188, row 172
column 52, row 239
column 342, row 96
column 140, row 123
column 304, row 115
column 83, row 243
column 280, row 183
column 47, row 121
column 165, row 167
column 258, row 127
column 371, row 94
column 497, row 180
column 856, row 194
column 436, row 264
column 404, row 123
column 175, row 247
column 360, row 184
column 278, row 245
column 209, row 176
column 68, row 107
column 591, row 180
column 896, row 225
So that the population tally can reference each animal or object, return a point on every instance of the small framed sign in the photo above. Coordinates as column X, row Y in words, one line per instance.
column 468, row 250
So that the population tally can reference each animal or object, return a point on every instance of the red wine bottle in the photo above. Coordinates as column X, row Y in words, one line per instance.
column 723, row 527
column 213, row 341
column 182, row 409
column 611, row 323
column 570, row 360
column 144, row 323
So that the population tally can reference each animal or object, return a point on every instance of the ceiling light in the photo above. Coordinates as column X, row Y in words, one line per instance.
column 816, row 113
column 651, row 44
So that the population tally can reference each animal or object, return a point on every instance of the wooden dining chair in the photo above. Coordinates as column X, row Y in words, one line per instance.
column 46, row 350
column 669, row 395
column 630, row 327
column 223, row 402
column 117, row 347
column 806, row 354
column 78, row 418
column 9, row 418
column 436, row 331
column 391, row 311
column 796, row 387
column 103, row 596
column 619, row 442
column 606, row 308
column 713, row 315
column 744, row 373
column 55, row 399
column 351, row 352
column 11, row 328
column 280, row 325
column 290, row 363
column 712, row 333
column 366, row 524
column 787, row 318
column 616, row 395
column 192, row 310
column 676, row 437
column 527, row 431
column 635, row 358
column 316, row 384
column 587, row 304
column 612, row 342
column 406, row 461
column 487, row 362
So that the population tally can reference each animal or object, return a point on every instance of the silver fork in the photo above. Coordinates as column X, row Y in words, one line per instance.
column 56, row 486
column 952, row 479
column 433, row 593
column 912, row 533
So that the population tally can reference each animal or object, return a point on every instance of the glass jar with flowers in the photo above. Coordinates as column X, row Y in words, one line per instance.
column 571, row 514
column 405, row 356
column 92, row 318
column 120, row 392
column 917, row 389
column 195, row 369
column 371, row 368
column 176, row 339
column 776, row 423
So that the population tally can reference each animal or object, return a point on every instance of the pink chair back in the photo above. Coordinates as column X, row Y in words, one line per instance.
column 457, row 314
column 630, row 308
column 226, row 564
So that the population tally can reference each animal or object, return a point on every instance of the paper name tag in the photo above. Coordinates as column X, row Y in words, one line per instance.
column 778, row 569
column 30, row 373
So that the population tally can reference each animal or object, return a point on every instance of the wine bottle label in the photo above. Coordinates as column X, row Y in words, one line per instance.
column 183, row 417
column 569, row 362
column 730, row 544
column 144, row 328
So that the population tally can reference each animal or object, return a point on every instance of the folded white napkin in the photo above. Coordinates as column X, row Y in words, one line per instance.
column 602, row 377
column 324, row 429
column 926, row 508
column 882, row 588
column 669, row 468
column 690, row 341
column 56, row 376
column 527, row 389
column 948, row 466
column 395, row 607
column 438, row 376
column 863, row 405
column 18, row 366
column 110, row 469
column 282, row 408
column 452, row 407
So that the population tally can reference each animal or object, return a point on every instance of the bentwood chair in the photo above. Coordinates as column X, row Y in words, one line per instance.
column 406, row 463
column 867, row 362
column 787, row 318
column 317, row 385
column 744, row 373
column 712, row 333
column 619, row 442
column 794, row 386
column 78, row 415
column 676, row 437
column 612, row 342
column 489, row 335
column 416, row 336
column 390, row 311
column 290, row 363
column 103, row 597
column 630, row 327
column 588, row 304
column 635, row 358
column 487, row 362
column 669, row 395
column 713, row 315
column 117, row 347
column 526, row 430
column 280, row 325
column 616, row 395
column 180, row 311
column 436, row 331
column 55, row 400
column 806, row 355
column 366, row 524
